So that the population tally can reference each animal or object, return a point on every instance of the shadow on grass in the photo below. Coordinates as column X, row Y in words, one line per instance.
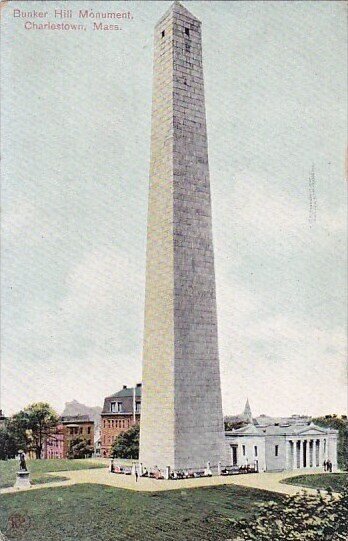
column 322, row 481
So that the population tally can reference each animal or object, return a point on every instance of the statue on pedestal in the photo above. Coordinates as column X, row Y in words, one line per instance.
column 22, row 480
column 22, row 463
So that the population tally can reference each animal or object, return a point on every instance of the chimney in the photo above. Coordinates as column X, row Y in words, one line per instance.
column 139, row 384
column 125, row 386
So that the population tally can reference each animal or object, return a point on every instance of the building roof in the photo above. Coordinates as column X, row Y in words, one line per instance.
column 127, row 391
column 265, row 420
column 126, row 397
column 76, row 419
column 280, row 430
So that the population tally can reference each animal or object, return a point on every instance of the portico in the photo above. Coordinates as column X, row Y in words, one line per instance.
column 305, row 453
column 310, row 448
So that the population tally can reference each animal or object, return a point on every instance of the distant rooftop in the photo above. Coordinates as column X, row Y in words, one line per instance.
column 75, row 419
column 127, row 391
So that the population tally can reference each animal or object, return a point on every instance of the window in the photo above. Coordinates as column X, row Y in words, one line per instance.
column 163, row 33
column 243, row 450
column 187, row 31
column 113, row 407
column 255, row 450
column 276, row 450
column 137, row 406
column 89, row 430
column 119, row 407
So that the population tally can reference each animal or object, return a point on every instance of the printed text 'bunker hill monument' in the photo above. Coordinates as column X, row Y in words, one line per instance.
column 182, row 421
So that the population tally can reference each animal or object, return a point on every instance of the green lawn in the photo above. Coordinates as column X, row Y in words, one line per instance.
column 98, row 513
column 39, row 468
column 336, row 481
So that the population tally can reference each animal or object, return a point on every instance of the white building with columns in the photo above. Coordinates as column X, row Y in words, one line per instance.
column 282, row 447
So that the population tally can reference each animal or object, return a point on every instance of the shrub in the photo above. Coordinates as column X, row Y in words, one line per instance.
column 303, row 517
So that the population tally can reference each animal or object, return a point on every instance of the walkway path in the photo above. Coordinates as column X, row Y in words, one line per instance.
column 262, row 481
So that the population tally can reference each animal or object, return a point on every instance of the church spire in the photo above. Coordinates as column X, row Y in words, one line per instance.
column 247, row 411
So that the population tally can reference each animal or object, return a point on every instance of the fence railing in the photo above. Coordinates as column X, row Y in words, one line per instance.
column 187, row 473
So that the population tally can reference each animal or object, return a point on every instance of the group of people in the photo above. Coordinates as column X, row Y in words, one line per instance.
column 231, row 470
column 328, row 465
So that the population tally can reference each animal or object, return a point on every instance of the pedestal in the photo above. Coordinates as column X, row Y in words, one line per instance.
column 22, row 480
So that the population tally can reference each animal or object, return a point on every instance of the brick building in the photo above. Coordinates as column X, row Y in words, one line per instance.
column 121, row 411
column 54, row 445
column 75, row 426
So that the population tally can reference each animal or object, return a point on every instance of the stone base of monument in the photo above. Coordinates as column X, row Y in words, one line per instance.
column 22, row 480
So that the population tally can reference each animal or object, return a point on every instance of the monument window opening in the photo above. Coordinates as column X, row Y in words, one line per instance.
column 187, row 32
column 255, row 450
column 243, row 450
column 163, row 33
column 276, row 450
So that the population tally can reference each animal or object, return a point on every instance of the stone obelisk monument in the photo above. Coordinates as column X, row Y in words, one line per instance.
column 181, row 417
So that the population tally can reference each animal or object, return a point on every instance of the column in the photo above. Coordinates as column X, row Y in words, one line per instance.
column 311, row 453
column 323, row 452
column 287, row 445
column 317, row 453
column 301, row 453
column 294, row 456
column 305, row 453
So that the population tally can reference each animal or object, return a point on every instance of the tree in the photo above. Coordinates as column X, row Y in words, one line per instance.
column 340, row 424
column 302, row 517
column 9, row 445
column 35, row 424
column 80, row 448
column 126, row 445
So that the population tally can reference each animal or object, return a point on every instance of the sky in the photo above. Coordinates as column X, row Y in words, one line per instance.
column 76, row 109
